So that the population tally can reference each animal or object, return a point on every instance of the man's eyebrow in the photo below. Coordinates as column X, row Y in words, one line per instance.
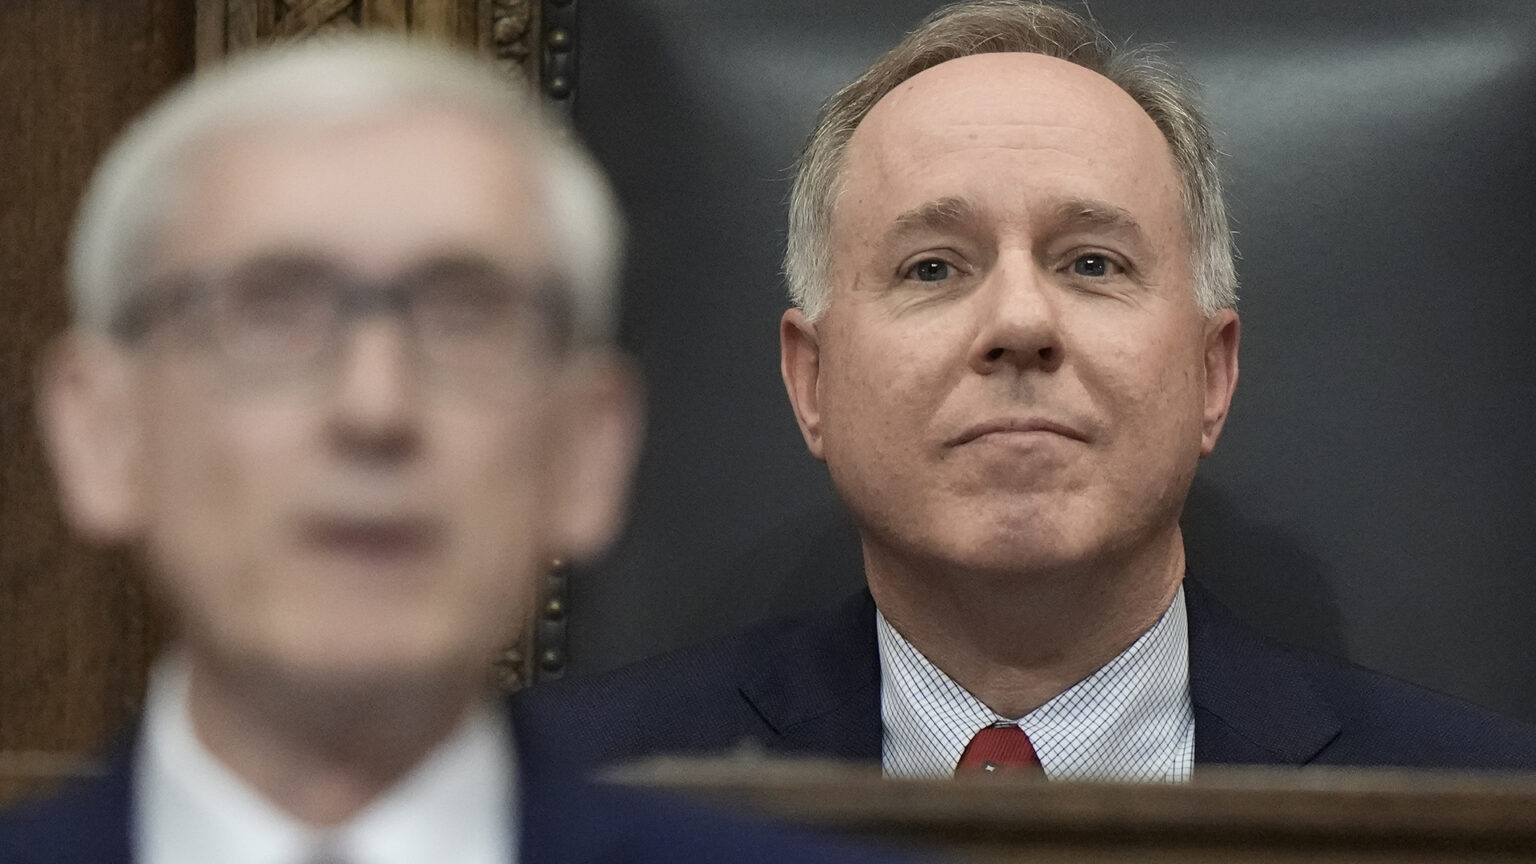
column 1090, row 213
column 939, row 215
column 954, row 212
column 451, row 260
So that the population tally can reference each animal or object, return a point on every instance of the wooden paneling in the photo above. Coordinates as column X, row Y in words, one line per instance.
column 387, row 14
column 440, row 20
column 75, row 625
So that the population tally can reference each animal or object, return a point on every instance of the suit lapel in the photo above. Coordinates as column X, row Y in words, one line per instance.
column 564, row 818
column 555, row 824
column 89, row 822
column 1253, row 704
column 113, row 799
column 819, row 691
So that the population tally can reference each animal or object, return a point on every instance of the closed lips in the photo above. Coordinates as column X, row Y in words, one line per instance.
column 370, row 536
column 1015, row 426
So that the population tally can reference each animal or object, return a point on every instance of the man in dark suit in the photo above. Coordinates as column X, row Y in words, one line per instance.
column 340, row 367
column 1014, row 337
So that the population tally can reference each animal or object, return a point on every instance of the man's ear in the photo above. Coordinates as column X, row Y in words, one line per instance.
column 599, row 447
column 1223, row 332
column 800, row 364
column 90, row 427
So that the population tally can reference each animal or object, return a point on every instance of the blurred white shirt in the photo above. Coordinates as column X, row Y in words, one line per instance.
column 457, row 805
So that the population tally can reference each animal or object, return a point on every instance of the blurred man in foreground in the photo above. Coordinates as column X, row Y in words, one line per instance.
column 340, row 367
column 1014, row 339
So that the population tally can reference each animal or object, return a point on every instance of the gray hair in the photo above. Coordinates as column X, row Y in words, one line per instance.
column 141, row 180
column 999, row 26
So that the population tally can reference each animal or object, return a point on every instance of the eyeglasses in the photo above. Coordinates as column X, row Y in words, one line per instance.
column 281, row 318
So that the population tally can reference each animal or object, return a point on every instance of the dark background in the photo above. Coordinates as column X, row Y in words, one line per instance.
column 1374, row 494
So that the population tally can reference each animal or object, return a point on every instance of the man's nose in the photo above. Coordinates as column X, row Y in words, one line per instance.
column 1018, row 320
column 375, row 393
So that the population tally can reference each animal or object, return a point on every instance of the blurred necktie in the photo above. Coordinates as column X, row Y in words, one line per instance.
column 998, row 750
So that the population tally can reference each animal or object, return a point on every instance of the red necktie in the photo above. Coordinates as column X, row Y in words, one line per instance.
column 999, row 749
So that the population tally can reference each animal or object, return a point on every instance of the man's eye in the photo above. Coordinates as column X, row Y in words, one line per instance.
column 931, row 270
column 1094, row 266
column 462, row 310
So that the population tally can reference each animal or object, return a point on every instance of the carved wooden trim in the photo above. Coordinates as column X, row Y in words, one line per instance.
column 540, row 654
column 507, row 30
column 557, row 53
column 510, row 36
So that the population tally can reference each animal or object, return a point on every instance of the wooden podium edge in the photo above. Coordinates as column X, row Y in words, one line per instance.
column 1320, row 808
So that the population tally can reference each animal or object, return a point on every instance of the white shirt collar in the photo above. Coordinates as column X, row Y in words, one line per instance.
column 1130, row 720
column 457, row 805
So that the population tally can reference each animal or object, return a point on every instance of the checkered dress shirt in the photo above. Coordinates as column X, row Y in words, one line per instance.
column 1131, row 720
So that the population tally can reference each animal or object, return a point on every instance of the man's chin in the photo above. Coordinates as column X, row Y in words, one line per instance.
column 1027, row 536
column 1018, row 566
column 1008, row 552
column 332, row 664
column 1048, row 550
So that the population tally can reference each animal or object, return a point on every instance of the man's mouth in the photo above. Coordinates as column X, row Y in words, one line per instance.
column 1015, row 426
column 381, row 540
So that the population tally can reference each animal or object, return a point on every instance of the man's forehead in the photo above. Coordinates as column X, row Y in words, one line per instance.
column 1009, row 86
column 376, row 191
column 1075, row 125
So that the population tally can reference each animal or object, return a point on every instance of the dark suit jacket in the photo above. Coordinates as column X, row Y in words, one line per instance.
column 563, row 820
column 813, row 688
